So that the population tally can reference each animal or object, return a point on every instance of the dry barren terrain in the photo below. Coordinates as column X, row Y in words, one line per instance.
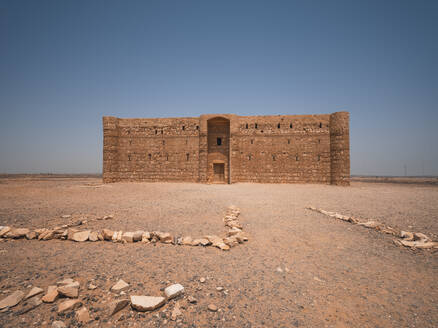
column 298, row 269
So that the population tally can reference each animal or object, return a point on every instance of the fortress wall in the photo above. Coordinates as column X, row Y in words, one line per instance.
column 314, row 149
column 262, row 151
column 155, row 150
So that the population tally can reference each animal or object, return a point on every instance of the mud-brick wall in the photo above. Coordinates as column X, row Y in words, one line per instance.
column 340, row 148
column 151, row 149
column 282, row 149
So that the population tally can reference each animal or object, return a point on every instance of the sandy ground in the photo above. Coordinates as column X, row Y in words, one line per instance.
column 334, row 274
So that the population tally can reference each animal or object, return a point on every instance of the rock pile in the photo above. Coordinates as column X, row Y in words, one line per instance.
column 234, row 235
column 405, row 238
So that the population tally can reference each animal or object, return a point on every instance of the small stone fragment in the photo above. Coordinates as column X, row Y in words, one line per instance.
column 107, row 234
column 146, row 303
column 71, row 291
column 145, row 237
column 137, row 236
column 202, row 280
column 30, row 305
column 12, row 300
column 58, row 324
column 93, row 236
column 17, row 233
column 187, row 240
column 65, row 282
column 68, row 305
column 128, row 237
column 119, row 305
column 191, row 299
column 66, row 216
column 82, row 315
column 52, row 294
column 119, row 286
column 4, row 231
column 176, row 312
column 212, row 307
column 31, row 235
column 34, row 291
column 165, row 237
column 219, row 289
column 91, row 286
column 173, row 291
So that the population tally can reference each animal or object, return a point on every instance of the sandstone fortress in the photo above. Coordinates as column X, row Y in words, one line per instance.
column 227, row 148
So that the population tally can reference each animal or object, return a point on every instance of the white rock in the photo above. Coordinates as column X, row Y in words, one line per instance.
column 119, row 286
column 173, row 291
column 11, row 300
column 146, row 303
column 58, row 324
column 34, row 291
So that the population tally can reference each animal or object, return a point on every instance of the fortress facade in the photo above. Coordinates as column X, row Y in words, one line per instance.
column 227, row 148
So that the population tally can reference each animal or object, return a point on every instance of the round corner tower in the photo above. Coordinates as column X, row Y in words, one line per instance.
column 340, row 148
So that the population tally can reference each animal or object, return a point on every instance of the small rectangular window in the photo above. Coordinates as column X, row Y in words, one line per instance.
column 197, row 127
column 187, row 157
column 164, row 142
column 150, row 156
column 183, row 127
column 288, row 141
column 256, row 126
column 219, row 141
column 246, row 126
column 273, row 157
column 252, row 141
column 278, row 125
column 290, row 126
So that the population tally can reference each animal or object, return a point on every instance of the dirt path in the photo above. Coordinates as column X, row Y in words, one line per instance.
column 299, row 268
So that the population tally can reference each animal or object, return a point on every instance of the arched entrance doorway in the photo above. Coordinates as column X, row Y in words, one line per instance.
column 218, row 137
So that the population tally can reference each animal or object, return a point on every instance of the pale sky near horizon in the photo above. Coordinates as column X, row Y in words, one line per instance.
column 65, row 64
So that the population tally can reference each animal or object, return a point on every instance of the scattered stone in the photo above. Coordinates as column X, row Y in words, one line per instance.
column 137, row 235
column 223, row 246
column 82, row 315
column 11, row 300
column 119, row 305
column 17, row 233
column 187, row 241
column 146, row 303
column 204, row 241
column 279, row 269
column 30, row 305
column 65, row 282
column 202, row 280
column 219, row 289
column 233, row 231
column 66, row 216
column 52, row 294
column 71, row 291
column 128, row 237
column 81, row 235
column 58, row 324
column 34, row 291
column 212, row 307
column 119, row 286
column 91, row 286
column 173, row 291
column 145, row 237
column 192, row 300
column 176, row 312
column 164, row 237
column 31, row 235
column 4, row 231
column 93, row 236
column 107, row 234
column 68, row 305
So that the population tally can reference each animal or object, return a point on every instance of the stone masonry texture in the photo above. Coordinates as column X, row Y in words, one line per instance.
column 227, row 148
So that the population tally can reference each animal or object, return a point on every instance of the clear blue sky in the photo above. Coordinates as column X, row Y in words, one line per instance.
column 65, row 64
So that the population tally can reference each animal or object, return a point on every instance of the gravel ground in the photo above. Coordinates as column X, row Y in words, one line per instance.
column 299, row 268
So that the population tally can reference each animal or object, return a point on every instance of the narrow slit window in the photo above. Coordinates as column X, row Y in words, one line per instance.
column 187, row 157
column 297, row 158
column 219, row 141
column 273, row 158
column 319, row 158
column 291, row 126
column 167, row 157
column 288, row 141
column 249, row 157
column 156, row 131
column 246, row 126
column 197, row 127
column 320, row 125
column 183, row 127
column 129, row 157
column 164, row 142
column 161, row 131
column 130, row 142
column 252, row 141
column 256, row 126
column 150, row 156
column 278, row 125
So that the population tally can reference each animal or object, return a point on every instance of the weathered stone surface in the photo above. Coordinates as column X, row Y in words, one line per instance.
column 145, row 237
column 68, row 305
column 93, row 236
column 107, row 234
column 52, row 294
column 31, row 235
column 12, row 300
column 30, row 304
column 17, row 233
column 119, row 305
column 46, row 235
column 58, row 324
column 82, row 315
column 191, row 299
column 71, row 291
column 34, row 291
column 81, row 235
column 241, row 237
column 128, row 237
column 215, row 240
column 164, row 237
column 204, row 242
column 212, row 307
column 147, row 303
column 202, row 280
column 176, row 312
column 231, row 241
column 173, row 291
column 137, row 236
column 65, row 282
column 233, row 231
column 223, row 246
column 4, row 231
column 91, row 286
column 187, row 240
column 119, row 286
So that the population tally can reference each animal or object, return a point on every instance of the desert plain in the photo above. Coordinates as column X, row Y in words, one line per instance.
column 298, row 269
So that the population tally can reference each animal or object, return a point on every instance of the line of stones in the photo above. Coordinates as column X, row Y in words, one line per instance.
column 234, row 235
column 404, row 238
